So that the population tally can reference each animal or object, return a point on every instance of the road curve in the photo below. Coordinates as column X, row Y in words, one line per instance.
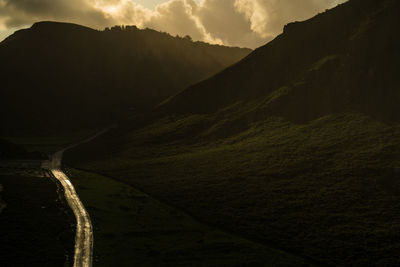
column 83, row 254
column 84, row 232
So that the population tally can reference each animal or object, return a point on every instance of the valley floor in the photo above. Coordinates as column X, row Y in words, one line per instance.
column 37, row 228
column 133, row 229
column 327, row 189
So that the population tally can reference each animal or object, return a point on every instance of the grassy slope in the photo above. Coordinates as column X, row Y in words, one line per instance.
column 293, row 148
column 327, row 189
column 343, row 59
column 132, row 229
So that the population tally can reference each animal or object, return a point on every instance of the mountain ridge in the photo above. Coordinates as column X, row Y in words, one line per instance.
column 62, row 65
column 284, row 66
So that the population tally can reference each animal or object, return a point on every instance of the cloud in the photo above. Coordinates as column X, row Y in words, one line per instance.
column 222, row 20
column 249, row 23
column 177, row 17
column 14, row 13
column 267, row 17
column 122, row 12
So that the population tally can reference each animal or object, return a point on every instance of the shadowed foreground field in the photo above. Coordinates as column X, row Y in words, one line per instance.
column 37, row 228
column 133, row 229
column 327, row 189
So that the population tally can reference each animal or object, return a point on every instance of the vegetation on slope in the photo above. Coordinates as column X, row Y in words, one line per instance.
column 346, row 58
column 326, row 189
column 297, row 145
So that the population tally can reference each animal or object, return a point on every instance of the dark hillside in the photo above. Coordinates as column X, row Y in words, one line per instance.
column 10, row 150
column 296, row 146
column 346, row 58
column 56, row 75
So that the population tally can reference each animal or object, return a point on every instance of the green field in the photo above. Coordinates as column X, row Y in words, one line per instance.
column 327, row 189
column 133, row 229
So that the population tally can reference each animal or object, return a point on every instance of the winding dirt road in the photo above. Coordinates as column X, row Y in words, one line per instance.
column 84, row 233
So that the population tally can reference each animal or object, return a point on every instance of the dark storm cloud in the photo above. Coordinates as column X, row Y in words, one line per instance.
column 16, row 13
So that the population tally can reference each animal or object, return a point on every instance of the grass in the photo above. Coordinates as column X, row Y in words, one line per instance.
column 318, row 65
column 133, row 229
column 37, row 228
column 327, row 189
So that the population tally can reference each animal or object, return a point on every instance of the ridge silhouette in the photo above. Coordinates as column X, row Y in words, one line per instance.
column 343, row 59
column 61, row 75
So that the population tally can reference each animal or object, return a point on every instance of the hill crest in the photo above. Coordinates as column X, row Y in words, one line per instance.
column 323, row 62
column 102, row 74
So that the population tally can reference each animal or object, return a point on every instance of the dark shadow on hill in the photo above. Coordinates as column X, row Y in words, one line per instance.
column 66, row 76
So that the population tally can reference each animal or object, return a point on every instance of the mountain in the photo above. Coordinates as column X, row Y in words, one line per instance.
column 58, row 75
column 296, row 146
column 343, row 59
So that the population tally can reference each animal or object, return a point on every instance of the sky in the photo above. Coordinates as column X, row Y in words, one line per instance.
column 243, row 23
